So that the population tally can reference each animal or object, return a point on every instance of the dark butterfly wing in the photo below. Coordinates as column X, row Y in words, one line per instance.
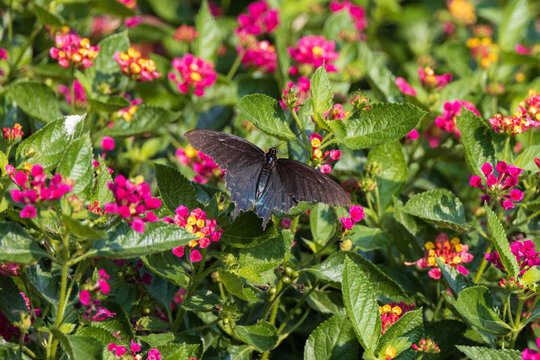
column 241, row 160
column 304, row 183
column 274, row 197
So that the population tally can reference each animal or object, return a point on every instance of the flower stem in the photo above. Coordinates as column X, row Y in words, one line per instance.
column 506, row 143
column 482, row 265
column 295, row 116
column 235, row 65
column 72, row 89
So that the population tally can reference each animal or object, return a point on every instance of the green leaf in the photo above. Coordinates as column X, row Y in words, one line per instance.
column 246, row 232
column 47, row 17
column 321, row 95
column 111, row 7
column 332, row 340
column 440, row 207
column 77, row 165
column 209, row 39
column 337, row 23
column 11, row 302
column 368, row 238
column 326, row 302
column 47, row 284
column 267, row 255
column 234, row 284
column 178, row 351
column 512, row 27
column 380, row 124
column 102, row 194
column 168, row 266
column 361, row 306
column 146, row 119
column 175, row 188
column 482, row 353
column 173, row 11
column 108, row 103
column 477, row 140
column 101, row 335
column 525, row 160
column 382, row 285
column 447, row 333
column 500, row 241
column 17, row 246
column 390, row 159
column 455, row 280
column 476, row 306
column 104, row 62
column 266, row 114
column 407, row 329
column 48, row 145
column 263, row 335
column 79, row 347
column 380, row 77
column 322, row 222
column 35, row 99
column 84, row 231
column 409, row 222
column 531, row 276
column 147, row 33
column 281, row 36
column 127, row 243
column 202, row 300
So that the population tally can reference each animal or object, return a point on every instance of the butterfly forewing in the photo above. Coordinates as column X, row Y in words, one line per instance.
column 304, row 183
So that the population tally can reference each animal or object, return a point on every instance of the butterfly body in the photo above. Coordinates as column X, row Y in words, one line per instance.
column 263, row 181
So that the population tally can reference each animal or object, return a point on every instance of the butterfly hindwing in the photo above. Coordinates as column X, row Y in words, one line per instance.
column 273, row 198
column 304, row 183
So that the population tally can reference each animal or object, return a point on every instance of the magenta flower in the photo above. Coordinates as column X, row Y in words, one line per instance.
column 337, row 112
column 117, row 350
column 261, row 56
column 430, row 80
column 358, row 14
column 259, row 20
column 133, row 65
column 195, row 74
column 205, row 168
column 404, row 86
column 195, row 256
column 154, row 354
column 29, row 211
column 525, row 253
column 107, row 143
column 72, row 50
column 335, row 155
column 500, row 186
column 313, row 51
column 132, row 21
column 78, row 93
column 357, row 214
column 413, row 135
column 84, row 297
column 447, row 121
column 132, row 202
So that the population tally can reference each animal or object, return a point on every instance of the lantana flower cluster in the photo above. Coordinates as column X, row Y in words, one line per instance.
column 526, row 116
column 259, row 20
column 196, row 223
column 312, row 51
column 78, row 93
column 36, row 188
column 462, row 10
column 195, row 74
column 133, row 65
column 358, row 14
column 120, row 351
column 452, row 109
column 72, row 50
column 390, row 313
column 13, row 135
column 91, row 298
column 483, row 51
column 356, row 213
column 202, row 164
column 426, row 346
column 132, row 202
column 499, row 187
column 430, row 80
column 3, row 56
column 127, row 113
column 525, row 253
column 260, row 55
column 185, row 33
column 337, row 112
column 323, row 160
column 452, row 252
column 531, row 354
column 296, row 93
column 10, row 269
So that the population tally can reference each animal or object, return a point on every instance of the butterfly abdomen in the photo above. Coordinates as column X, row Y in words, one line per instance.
column 266, row 171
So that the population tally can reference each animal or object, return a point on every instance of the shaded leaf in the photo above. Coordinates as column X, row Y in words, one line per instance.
column 525, row 160
column 514, row 20
column 455, row 280
column 500, row 241
column 175, row 188
column 147, row 118
column 321, row 95
column 368, row 238
column 108, row 103
column 482, row 353
column 168, row 266
column 209, row 39
column 334, row 339
column 263, row 335
column 246, row 231
column 35, row 99
column 322, row 222
column 17, row 246
column 77, row 165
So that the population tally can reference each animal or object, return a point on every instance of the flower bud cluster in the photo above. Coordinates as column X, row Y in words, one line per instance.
column 185, row 33
column 195, row 74
column 499, row 187
column 72, row 50
column 390, row 313
column 452, row 109
column 323, row 160
column 196, row 223
column 525, row 253
column 132, row 202
column 91, row 297
column 360, row 102
column 430, row 80
column 133, row 65
column 426, row 346
column 357, row 214
column 483, row 51
column 36, row 188
column 526, row 116
column 202, row 164
column 295, row 94
column 13, row 135
column 313, row 51
column 451, row 252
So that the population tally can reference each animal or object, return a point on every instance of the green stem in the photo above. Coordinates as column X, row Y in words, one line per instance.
column 299, row 123
column 235, row 65
column 10, row 27
column 34, row 33
column 298, row 304
column 482, row 265
column 61, row 307
column 516, row 323
column 506, row 143
column 378, row 200
column 439, row 304
column 72, row 89
column 202, row 327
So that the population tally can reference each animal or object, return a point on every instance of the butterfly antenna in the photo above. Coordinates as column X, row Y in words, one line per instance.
column 284, row 142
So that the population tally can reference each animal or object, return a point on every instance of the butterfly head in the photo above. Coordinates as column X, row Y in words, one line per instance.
column 271, row 157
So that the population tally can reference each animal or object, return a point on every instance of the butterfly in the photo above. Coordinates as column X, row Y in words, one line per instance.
column 263, row 181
